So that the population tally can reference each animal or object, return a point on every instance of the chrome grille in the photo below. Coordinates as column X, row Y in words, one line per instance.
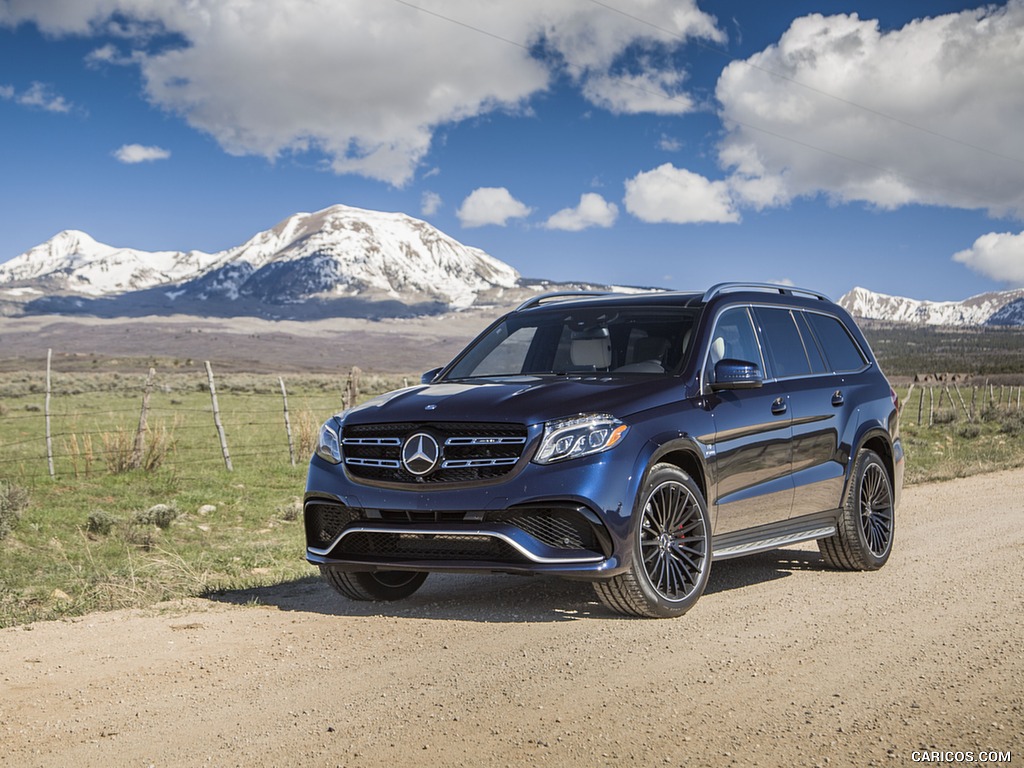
column 470, row 451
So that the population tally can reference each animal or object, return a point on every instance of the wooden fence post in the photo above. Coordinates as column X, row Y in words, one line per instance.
column 216, row 418
column 920, row 407
column 959, row 395
column 931, row 406
column 287, row 423
column 140, row 433
column 49, row 441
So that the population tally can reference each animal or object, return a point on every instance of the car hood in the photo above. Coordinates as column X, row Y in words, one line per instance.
column 521, row 399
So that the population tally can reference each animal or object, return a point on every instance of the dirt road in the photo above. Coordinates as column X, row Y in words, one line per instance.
column 782, row 663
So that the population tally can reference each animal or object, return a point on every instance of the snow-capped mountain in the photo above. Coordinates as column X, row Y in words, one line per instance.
column 996, row 308
column 73, row 261
column 337, row 253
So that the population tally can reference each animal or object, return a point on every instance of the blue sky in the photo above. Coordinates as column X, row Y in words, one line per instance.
column 644, row 142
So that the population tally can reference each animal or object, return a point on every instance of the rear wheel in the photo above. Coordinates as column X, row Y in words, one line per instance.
column 671, row 550
column 863, row 539
column 373, row 585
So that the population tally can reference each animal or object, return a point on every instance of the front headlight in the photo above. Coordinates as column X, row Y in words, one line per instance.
column 579, row 436
column 327, row 447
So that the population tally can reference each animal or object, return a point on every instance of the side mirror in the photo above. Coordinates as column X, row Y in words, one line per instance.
column 736, row 374
column 430, row 375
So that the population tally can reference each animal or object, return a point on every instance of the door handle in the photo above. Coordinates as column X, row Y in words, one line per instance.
column 779, row 406
column 837, row 398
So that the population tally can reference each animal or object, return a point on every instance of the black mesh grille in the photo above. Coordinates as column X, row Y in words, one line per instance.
column 324, row 521
column 401, row 546
column 373, row 452
column 559, row 528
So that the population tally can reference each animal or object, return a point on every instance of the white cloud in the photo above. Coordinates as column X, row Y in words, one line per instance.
column 366, row 83
column 137, row 153
column 677, row 196
column 657, row 92
column 669, row 143
column 593, row 211
column 430, row 203
column 998, row 255
column 490, row 205
column 37, row 96
column 861, row 124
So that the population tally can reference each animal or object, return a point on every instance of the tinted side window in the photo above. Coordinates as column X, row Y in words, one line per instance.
column 841, row 350
column 784, row 343
column 733, row 338
column 814, row 353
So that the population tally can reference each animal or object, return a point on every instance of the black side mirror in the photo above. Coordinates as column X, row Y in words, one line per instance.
column 430, row 375
column 736, row 374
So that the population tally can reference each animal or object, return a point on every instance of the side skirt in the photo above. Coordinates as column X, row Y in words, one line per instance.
column 774, row 535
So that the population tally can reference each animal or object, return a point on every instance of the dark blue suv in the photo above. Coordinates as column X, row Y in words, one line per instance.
column 629, row 440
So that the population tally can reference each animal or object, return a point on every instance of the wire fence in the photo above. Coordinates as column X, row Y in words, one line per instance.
column 69, row 427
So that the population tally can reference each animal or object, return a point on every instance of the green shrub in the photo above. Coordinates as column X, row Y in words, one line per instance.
column 968, row 431
column 160, row 515
column 13, row 501
column 100, row 523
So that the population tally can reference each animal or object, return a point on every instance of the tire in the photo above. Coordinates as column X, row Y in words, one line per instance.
column 864, row 535
column 373, row 585
column 671, row 550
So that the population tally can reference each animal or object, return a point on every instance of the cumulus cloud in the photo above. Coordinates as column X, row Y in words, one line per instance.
column 36, row 96
column 430, row 203
column 919, row 114
column 137, row 153
column 490, row 205
column 677, row 196
column 657, row 92
column 998, row 255
column 367, row 83
column 593, row 211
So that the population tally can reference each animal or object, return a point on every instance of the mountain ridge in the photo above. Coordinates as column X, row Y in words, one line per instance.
column 994, row 308
column 336, row 257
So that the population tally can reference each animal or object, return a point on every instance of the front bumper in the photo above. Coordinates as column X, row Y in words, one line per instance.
column 569, row 519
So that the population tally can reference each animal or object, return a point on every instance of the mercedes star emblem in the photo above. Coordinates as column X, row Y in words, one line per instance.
column 421, row 454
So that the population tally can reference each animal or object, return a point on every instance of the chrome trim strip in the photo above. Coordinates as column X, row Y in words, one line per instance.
column 454, row 532
column 485, row 441
column 463, row 463
column 775, row 542
column 371, row 441
column 384, row 463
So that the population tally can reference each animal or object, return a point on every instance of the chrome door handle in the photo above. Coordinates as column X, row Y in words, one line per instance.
column 779, row 406
column 837, row 398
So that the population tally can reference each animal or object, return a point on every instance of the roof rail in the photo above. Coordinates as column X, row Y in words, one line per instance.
column 790, row 290
column 557, row 295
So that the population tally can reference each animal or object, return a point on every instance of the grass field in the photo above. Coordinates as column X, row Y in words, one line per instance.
column 89, row 538
column 94, row 537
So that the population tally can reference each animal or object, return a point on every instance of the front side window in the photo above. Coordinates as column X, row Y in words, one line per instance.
column 734, row 339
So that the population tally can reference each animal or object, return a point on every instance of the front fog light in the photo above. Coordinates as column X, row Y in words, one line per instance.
column 579, row 436
column 328, row 448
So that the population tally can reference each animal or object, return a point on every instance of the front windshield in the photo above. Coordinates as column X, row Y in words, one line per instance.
column 580, row 341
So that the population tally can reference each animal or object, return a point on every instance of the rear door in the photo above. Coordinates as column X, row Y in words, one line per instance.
column 819, row 402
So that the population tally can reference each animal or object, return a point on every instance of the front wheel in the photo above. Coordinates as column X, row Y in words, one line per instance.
column 373, row 585
column 863, row 538
column 671, row 550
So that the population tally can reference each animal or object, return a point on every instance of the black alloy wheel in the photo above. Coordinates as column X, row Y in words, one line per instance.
column 671, row 553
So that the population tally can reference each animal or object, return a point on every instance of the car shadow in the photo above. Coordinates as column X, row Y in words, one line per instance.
column 501, row 598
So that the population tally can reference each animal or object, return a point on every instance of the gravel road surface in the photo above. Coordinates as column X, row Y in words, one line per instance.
column 781, row 663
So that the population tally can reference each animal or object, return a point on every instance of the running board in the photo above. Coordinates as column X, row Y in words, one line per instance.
column 774, row 536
